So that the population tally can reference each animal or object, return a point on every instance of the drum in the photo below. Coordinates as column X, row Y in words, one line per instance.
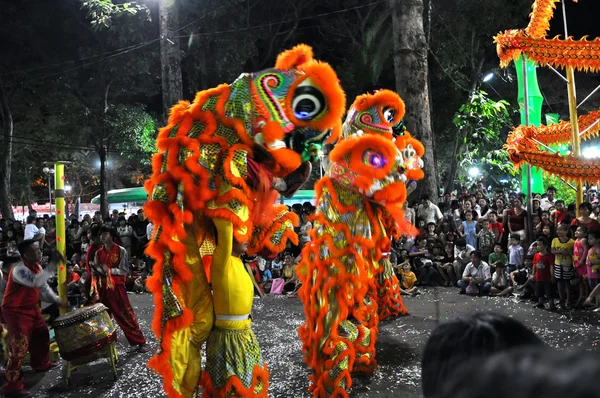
column 85, row 335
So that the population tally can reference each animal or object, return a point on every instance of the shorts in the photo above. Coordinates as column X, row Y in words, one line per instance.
column 543, row 288
column 563, row 272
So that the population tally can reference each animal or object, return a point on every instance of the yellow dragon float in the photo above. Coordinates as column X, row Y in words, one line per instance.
column 524, row 144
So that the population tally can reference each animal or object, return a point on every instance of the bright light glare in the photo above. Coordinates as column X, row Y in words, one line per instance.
column 473, row 171
column 67, row 188
column 488, row 77
column 591, row 152
column 504, row 181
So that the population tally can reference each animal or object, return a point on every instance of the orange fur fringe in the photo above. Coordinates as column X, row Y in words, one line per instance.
column 234, row 385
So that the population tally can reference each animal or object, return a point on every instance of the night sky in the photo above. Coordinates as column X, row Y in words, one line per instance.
column 582, row 19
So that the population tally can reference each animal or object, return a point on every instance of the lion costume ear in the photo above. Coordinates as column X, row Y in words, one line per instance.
column 292, row 59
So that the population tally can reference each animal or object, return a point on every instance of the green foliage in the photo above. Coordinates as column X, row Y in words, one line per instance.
column 563, row 190
column 135, row 131
column 481, row 121
column 106, row 14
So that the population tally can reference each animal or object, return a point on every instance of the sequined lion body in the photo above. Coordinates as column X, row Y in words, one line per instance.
column 202, row 172
column 359, row 202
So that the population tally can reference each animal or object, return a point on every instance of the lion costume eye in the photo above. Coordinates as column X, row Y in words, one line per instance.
column 389, row 114
column 374, row 159
column 308, row 101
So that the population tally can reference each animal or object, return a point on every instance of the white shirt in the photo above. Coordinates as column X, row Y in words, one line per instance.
column 149, row 229
column 23, row 276
column 545, row 204
column 515, row 255
column 304, row 236
column 461, row 255
column 30, row 231
column 430, row 213
column 479, row 273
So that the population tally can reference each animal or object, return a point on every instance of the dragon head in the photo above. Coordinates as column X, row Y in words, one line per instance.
column 296, row 107
column 370, row 164
column 412, row 152
column 374, row 113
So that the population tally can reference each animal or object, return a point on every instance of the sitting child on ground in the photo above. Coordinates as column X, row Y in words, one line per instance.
column 500, row 281
column 408, row 281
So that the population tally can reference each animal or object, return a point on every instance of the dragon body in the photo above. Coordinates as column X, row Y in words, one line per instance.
column 344, row 278
column 217, row 157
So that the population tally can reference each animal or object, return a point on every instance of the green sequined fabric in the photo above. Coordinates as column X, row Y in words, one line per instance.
column 233, row 353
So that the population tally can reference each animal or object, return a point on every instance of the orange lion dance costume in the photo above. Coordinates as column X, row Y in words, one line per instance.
column 359, row 202
column 219, row 157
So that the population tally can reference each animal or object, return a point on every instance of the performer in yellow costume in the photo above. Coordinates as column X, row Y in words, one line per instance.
column 234, row 364
column 220, row 158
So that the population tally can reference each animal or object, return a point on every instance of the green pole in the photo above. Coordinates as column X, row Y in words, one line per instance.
column 534, row 101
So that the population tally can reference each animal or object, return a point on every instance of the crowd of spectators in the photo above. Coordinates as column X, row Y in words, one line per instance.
column 132, row 234
column 492, row 243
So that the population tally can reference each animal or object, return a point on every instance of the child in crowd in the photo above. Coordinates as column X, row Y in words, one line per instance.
column 496, row 227
column 593, row 265
column 469, row 229
column 580, row 248
column 515, row 253
column 418, row 252
column 543, row 222
column 447, row 269
column 408, row 281
column 497, row 256
column 562, row 248
column 523, row 278
column 561, row 215
column 486, row 238
column 543, row 267
column 277, row 266
column 432, row 236
column 500, row 282
column 439, row 259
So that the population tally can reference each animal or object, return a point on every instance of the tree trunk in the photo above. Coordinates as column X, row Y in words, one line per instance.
column 411, row 73
column 103, row 190
column 170, row 55
column 459, row 147
column 5, row 157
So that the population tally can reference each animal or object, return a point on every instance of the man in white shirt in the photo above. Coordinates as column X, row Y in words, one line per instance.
column 462, row 256
column 32, row 231
column 547, row 202
column 477, row 275
column 429, row 212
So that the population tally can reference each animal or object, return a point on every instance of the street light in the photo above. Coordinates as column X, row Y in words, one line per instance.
column 49, row 172
column 591, row 152
column 488, row 77
column 473, row 171
column 67, row 188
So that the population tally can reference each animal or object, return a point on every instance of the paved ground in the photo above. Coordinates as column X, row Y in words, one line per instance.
column 276, row 320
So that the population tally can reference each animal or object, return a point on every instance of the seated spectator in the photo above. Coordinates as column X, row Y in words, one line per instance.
column 289, row 273
column 472, row 338
column 431, row 235
column 462, row 256
column 447, row 269
column 529, row 372
column 500, row 281
column 439, row 259
column 277, row 266
column 418, row 252
column 408, row 281
column 476, row 279
column 523, row 280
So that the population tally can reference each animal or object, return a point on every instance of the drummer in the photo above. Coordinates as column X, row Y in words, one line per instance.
column 27, row 283
column 110, row 267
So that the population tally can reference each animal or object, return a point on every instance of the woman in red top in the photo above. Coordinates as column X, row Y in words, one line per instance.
column 543, row 272
column 585, row 209
column 517, row 217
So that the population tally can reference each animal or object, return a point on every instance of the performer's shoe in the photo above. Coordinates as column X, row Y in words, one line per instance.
column 297, row 179
column 50, row 366
column 143, row 348
column 17, row 394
